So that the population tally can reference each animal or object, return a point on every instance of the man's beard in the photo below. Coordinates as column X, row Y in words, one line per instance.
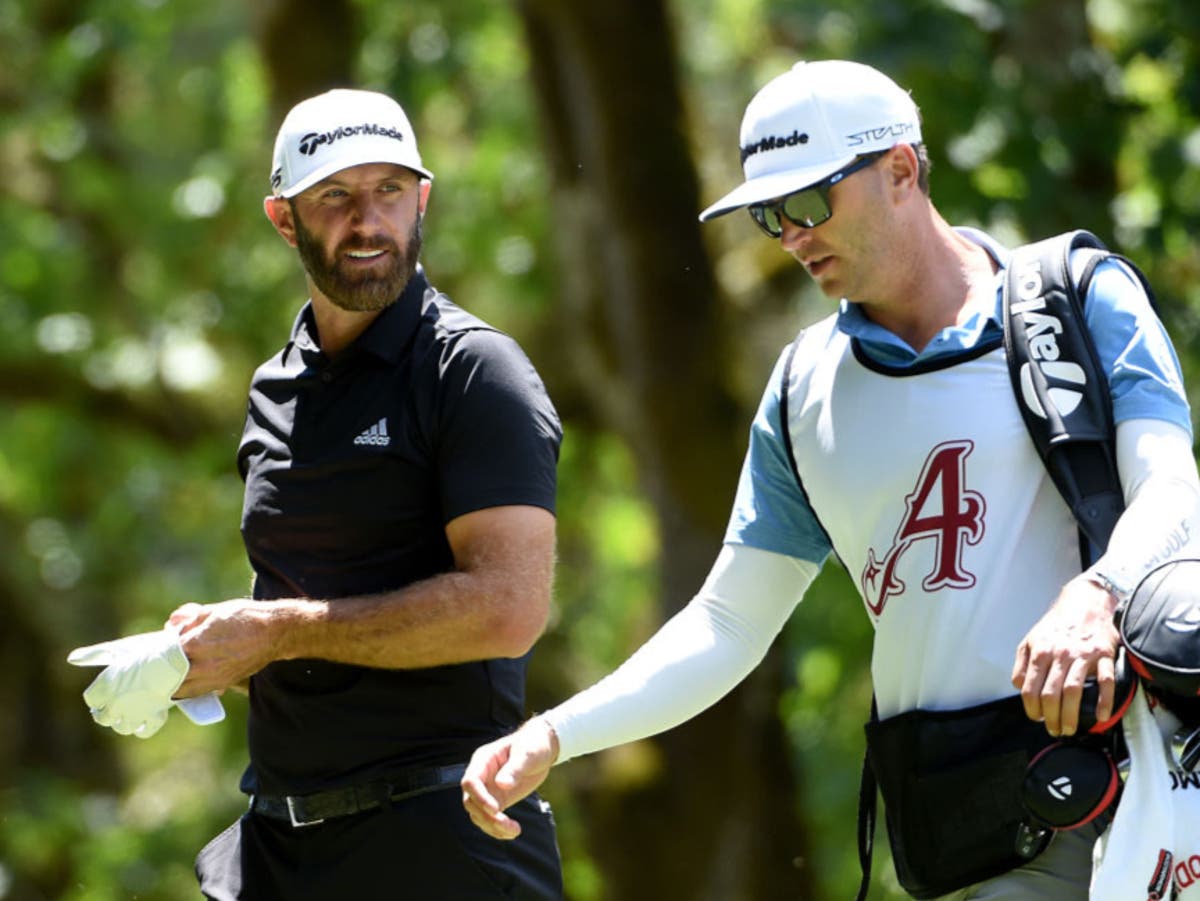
column 358, row 292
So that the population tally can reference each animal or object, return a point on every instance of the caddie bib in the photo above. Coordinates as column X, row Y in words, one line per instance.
column 929, row 487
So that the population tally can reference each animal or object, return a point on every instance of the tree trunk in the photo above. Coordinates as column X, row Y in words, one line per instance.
column 643, row 322
column 307, row 46
column 1060, row 72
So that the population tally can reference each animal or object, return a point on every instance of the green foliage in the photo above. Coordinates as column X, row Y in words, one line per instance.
column 60, row 840
column 140, row 284
column 460, row 69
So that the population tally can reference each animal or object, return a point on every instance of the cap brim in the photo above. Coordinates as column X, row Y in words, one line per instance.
column 322, row 173
column 777, row 184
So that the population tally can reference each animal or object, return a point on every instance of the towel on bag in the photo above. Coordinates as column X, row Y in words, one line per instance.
column 1152, row 847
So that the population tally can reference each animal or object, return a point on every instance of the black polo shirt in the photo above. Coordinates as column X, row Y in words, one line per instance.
column 353, row 467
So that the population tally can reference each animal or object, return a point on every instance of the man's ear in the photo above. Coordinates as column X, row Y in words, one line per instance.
column 425, row 185
column 279, row 211
column 903, row 168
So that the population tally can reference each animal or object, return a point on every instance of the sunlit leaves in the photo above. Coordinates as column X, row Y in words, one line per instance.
column 139, row 282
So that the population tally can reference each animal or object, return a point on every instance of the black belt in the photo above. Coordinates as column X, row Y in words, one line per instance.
column 308, row 810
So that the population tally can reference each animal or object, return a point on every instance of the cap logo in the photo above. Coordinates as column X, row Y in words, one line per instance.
column 311, row 142
column 774, row 142
column 871, row 135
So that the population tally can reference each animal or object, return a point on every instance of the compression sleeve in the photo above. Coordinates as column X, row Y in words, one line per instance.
column 694, row 660
column 1162, row 498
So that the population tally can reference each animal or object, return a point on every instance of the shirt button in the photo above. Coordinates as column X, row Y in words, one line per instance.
column 327, row 377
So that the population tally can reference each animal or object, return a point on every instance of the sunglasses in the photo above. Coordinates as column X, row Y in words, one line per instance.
column 807, row 208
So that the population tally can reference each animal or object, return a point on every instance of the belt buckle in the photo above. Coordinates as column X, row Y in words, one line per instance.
column 299, row 822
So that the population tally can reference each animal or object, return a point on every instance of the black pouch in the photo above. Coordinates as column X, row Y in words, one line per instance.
column 951, row 785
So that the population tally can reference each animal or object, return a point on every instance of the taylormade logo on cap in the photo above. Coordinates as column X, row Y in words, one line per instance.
column 811, row 121
column 339, row 129
column 773, row 142
column 310, row 142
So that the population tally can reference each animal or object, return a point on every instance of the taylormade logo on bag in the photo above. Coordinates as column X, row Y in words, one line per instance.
column 1060, row 789
column 311, row 142
column 1066, row 379
column 1184, row 618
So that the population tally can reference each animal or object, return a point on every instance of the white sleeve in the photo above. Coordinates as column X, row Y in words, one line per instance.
column 1162, row 503
column 696, row 658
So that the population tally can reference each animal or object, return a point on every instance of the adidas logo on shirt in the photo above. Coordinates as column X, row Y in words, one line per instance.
column 376, row 435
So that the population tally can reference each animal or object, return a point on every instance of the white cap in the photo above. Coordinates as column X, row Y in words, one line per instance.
column 811, row 121
column 339, row 129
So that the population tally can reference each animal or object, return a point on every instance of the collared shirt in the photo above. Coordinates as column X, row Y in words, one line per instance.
column 919, row 469
column 1131, row 343
column 353, row 468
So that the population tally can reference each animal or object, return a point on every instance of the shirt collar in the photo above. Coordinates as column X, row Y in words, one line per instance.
column 386, row 337
column 389, row 334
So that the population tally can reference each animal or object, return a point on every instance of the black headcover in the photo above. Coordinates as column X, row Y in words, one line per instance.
column 1073, row 781
column 1126, row 683
column 1069, row 784
column 1160, row 628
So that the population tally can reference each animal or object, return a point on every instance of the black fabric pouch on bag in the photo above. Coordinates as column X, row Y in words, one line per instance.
column 951, row 786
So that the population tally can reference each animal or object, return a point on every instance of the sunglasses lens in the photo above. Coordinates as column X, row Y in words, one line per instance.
column 806, row 208
column 767, row 218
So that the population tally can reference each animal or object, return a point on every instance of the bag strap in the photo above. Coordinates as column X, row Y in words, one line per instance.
column 868, row 796
column 1060, row 386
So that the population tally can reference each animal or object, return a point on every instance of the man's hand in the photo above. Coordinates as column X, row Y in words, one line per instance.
column 502, row 773
column 226, row 643
column 1075, row 638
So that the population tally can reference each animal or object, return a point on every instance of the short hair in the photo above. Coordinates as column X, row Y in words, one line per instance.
column 924, row 164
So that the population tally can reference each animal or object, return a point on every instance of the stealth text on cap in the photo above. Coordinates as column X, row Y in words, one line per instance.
column 314, row 139
column 774, row 142
column 898, row 130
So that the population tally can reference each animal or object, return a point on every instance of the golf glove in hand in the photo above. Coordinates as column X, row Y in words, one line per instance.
column 133, row 694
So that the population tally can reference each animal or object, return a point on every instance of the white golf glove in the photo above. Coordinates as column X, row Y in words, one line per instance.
column 133, row 694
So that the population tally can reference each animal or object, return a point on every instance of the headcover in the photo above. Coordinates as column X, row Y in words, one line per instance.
column 1125, row 680
column 1160, row 627
column 1071, row 782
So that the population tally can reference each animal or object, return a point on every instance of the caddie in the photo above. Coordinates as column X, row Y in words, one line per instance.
column 889, row 434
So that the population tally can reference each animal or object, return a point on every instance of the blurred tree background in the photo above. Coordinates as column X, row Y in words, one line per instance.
column 140, row 284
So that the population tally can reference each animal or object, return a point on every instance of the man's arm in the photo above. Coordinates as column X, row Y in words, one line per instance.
column 502, row 773
column 494, row 604
column 1077, row 637
column 698, row 656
